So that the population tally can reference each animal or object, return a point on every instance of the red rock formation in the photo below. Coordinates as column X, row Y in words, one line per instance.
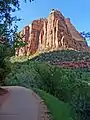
column 78, row 40
column 70, row 64
column 53, row 33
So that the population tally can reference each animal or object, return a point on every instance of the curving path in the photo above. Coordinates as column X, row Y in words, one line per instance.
column 19, row 104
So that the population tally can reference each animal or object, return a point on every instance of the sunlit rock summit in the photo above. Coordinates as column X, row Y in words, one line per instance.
column 54, row 33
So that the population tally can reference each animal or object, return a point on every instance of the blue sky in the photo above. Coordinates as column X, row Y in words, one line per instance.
column 77, row 10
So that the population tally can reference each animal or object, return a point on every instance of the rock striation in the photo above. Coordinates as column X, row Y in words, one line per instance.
column 54, row 33
column 73, row 64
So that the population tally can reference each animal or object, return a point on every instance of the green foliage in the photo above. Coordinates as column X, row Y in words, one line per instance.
column 65, row 84
column 58, row 109
column 23, row 74
column 5, row 52
column 8, row 29
column 64, row 55
column 85, row 34
column 8, row 26
column 23, row 58
column 18, row 41
column 7, row 7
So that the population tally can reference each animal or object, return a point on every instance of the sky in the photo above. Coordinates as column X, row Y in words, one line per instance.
column 77, row 10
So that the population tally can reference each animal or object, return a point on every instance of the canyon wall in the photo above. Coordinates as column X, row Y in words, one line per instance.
column 54, row 33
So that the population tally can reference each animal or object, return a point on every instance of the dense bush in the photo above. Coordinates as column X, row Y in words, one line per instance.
column 65, row 84
column 64, row 55
column 24, row 75
column 5, row 53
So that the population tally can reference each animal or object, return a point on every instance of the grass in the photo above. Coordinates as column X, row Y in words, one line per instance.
column 58, row 109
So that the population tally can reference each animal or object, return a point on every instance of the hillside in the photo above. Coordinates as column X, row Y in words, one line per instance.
column 68, row 85
column 64, row 55
column 68, row 58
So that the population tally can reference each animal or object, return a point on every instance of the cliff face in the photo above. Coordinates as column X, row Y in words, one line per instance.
column 54, row 33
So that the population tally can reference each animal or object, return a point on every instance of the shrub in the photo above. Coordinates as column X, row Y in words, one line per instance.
column 65, row 84
column 64, row 55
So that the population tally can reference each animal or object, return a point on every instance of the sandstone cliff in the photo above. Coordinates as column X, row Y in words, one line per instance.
column 54, row 33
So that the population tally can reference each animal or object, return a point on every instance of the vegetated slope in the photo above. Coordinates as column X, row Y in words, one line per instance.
column 58, row 109
column 67, row 85
column 64, row 55
column 31, row 73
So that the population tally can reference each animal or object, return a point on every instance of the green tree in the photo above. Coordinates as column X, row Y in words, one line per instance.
column 8, row 26
column 8, row 29
column 5, row 52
